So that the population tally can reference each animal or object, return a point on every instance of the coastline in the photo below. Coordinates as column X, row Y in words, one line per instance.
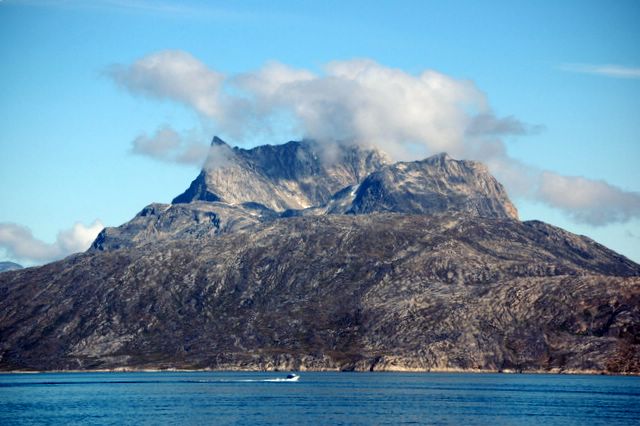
column 396, row 370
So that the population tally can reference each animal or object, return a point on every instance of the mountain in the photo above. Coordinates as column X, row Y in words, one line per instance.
column 408, row 266
column 381, row 291
column 435, row 185
column 9, row 266
column 295, row 175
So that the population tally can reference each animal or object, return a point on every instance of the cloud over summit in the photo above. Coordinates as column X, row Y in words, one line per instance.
column 362, row 102
column 356, row 101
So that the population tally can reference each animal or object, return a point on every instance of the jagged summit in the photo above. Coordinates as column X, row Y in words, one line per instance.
column 247, row 186
column 217, row 141
column 439, row 157
column 302, row 175
column 295, row 175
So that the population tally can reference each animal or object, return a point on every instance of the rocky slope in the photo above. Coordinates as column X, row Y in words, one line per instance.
column 289, row 261
column 380, row 291
column 161, row 222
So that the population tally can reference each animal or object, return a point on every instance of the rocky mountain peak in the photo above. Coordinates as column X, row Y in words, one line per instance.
column 217, row 141
column 241, row 187
column 434, row 185
column 302, row 175
column 444, row 162
column 295, row 175
column 441, row 157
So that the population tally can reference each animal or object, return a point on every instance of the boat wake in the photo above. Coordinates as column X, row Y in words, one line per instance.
column 289, row 378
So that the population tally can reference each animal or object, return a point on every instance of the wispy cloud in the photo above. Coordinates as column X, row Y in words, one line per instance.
column 365, row 103
column 587, row 200
column 150, row 6
column 166, row 144
column 615, row 71
column 174, row 75
column 172, row 9
column 19, row 243
column 490, row 125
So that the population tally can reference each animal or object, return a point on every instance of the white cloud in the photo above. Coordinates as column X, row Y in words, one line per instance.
column 362, row 102
column 220, row 155
column 588, row 201
column 160, row 145
column 616, row 71
column 166, row 144
column 365, row 103
column 174, row 75
column 271, row 78
column 356, row 101
column 584, row 200
column 19, row 243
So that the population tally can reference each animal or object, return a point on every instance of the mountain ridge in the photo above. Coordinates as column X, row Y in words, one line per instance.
column 435, row 184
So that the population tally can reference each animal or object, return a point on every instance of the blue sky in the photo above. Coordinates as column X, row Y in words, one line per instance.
column 568, row 71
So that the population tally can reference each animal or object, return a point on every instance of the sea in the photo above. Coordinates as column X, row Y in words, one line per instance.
column 318, row 398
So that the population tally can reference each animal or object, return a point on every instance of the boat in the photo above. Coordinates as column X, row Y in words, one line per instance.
column 292, row 377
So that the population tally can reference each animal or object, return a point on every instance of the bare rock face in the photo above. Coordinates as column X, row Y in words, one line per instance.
column 409, row 266
column 162, row 222
column 296, row 175
column 437, row 184
column 246, row 186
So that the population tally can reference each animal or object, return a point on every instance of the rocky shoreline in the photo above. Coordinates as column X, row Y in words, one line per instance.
column 323, row 370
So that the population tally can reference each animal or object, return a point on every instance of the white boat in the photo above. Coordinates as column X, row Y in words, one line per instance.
column 292, row 377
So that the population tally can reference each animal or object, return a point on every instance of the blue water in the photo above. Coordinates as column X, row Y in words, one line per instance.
column 318, row 398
